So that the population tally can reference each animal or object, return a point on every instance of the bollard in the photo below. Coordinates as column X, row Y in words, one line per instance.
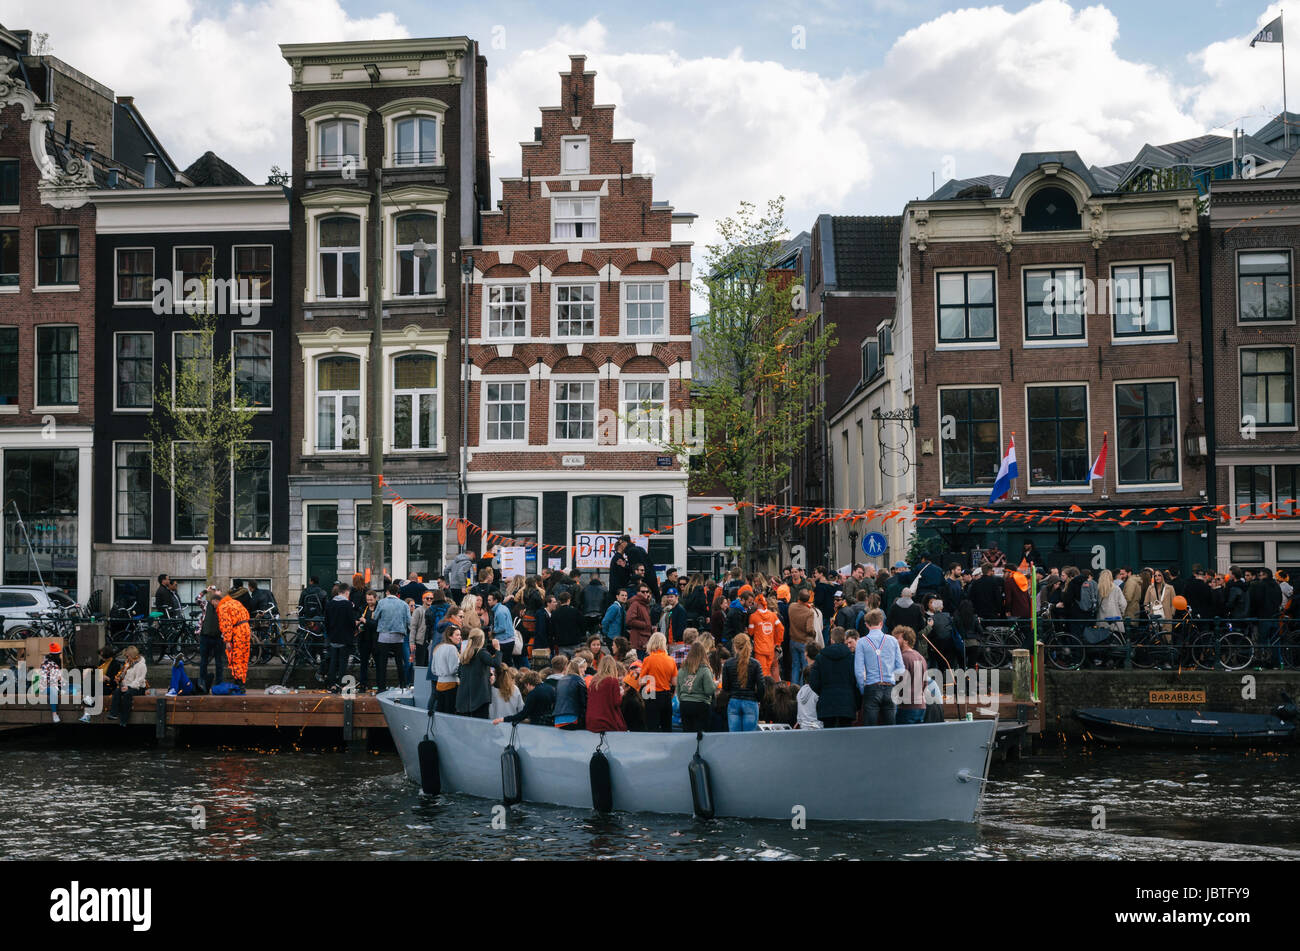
column 1020, row 675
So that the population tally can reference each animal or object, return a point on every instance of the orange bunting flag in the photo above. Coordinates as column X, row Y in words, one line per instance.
column 1075, row 508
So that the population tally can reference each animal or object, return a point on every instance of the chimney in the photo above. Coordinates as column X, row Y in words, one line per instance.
column 150, row 169
column 112, row 178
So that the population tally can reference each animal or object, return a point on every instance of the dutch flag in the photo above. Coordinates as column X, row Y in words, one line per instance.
column 1098, row 470
column 1007, row 473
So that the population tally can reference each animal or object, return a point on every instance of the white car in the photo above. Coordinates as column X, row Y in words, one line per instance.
column 18, row 602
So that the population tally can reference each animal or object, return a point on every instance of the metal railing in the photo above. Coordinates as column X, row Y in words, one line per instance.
column 1201, row 643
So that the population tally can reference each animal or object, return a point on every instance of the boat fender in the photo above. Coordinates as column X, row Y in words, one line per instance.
column 701, row 785
column 602, row 788
column 427, row 752
column 512, row 773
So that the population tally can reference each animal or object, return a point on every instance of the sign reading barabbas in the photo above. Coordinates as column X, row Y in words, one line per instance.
column 594, row 550
column 1177, row 696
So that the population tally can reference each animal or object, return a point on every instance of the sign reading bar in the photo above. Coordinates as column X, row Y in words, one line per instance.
column 1177, row 696
column 594, row 550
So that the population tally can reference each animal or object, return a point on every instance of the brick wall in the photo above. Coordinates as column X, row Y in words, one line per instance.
column 1099, row 364
column 30, row 308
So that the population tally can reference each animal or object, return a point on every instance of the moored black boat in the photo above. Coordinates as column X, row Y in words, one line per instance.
column 1186, row 727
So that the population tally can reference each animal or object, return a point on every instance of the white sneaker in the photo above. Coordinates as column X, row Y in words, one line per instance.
column 171, row 693
column 55, row 718
column 85, row 718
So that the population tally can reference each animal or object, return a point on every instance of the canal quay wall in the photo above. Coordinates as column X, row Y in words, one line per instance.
column 1238, row 691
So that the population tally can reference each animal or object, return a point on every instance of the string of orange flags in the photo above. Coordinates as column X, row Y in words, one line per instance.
column 928, row 512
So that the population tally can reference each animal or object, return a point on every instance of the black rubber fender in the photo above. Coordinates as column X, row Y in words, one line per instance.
column 512, row 776
column 430, row 777
column 602, row 787
column 701, row 787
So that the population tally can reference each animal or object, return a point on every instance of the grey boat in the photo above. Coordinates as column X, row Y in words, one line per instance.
column 919, row 772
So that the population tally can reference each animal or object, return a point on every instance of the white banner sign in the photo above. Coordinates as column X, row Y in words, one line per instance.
column 595, row 550
column 514, row 561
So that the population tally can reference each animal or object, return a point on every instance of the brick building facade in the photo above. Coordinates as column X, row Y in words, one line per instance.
column 996, row 353
column 1254, row 235
column 417, row 110
column 579, row 340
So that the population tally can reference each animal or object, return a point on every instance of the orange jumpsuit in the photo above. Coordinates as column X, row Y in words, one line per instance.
column 767, row 632
column 233, row 619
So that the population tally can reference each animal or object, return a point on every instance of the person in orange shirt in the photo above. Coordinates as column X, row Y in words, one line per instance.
column 767, row 632
column 658, row 672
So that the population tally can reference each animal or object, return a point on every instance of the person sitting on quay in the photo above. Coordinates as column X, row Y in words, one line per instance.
column 133, row 682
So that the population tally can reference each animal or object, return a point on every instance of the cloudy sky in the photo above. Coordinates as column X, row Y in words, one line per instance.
column 843, row 106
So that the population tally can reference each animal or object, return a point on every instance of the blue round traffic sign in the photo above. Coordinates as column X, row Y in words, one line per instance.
column 874, row 544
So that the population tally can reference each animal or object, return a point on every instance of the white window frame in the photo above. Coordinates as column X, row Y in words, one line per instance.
column 330, row 203
column 556, row 220
column 623, row 436
column 403, row 200
column 555, row 411
column 394, row 263
column 338, row 251
column 327, row 112
column 234, row 275
column 171, row 531
column 153, row 360
column 37, row 406
column 623, row 303
column 316, row 393
column 153, row 270
column 399, row 110
column 1002, row 432
column 118, row 539
column 564, row 153
column 555, row 286
column 1074, row 488
column 1124, row 487
column 1236, row 292
column 1052, row 341
column 175, row 366
column 1295, row 398
column 270, row 459
column 996, row 342
column 486, row 307
column 484, row 383
column 1126, row 340
column 393, row 394
column 234, row 381
column 178, row 285
column 37, row 285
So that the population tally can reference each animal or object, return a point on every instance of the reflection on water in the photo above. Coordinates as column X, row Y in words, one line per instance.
column 66, row 802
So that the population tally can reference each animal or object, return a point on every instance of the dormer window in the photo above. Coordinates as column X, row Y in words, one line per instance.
column 1051, row 209
column 576, row 219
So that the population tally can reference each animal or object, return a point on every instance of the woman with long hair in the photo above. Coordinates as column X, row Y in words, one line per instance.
column 506, row 697
column 474, row 696
column 632, row 705
column 742, row 679
column 605, row 699
column 131, row 683
column 1111, row 602
column 444, row 665
column 695, row 689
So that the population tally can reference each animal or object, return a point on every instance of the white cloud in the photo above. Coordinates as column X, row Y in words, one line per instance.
column 202, row 82
column 1243, row 85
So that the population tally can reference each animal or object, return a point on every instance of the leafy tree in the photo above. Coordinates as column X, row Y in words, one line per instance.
column 201, row 424
column 278, row 176
column 758, row 366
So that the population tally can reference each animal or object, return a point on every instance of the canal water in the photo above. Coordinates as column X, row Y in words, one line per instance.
column 68, row 801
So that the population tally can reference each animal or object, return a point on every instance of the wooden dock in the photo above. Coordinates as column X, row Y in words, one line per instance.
column 355, row 716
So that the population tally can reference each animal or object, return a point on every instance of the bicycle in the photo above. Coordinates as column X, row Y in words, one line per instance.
column 1227, row 650
column 307, row 647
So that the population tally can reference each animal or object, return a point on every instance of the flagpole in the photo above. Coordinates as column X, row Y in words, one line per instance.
column 1286, row 125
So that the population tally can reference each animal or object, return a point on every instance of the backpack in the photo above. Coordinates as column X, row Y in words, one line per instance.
column 228, row 688
column 1088, row 597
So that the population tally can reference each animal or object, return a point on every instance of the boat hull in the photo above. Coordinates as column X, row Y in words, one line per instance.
column 918, row 772
column 1183, row 727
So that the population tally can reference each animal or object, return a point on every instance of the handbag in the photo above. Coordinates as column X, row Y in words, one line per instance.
column 817, row 630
